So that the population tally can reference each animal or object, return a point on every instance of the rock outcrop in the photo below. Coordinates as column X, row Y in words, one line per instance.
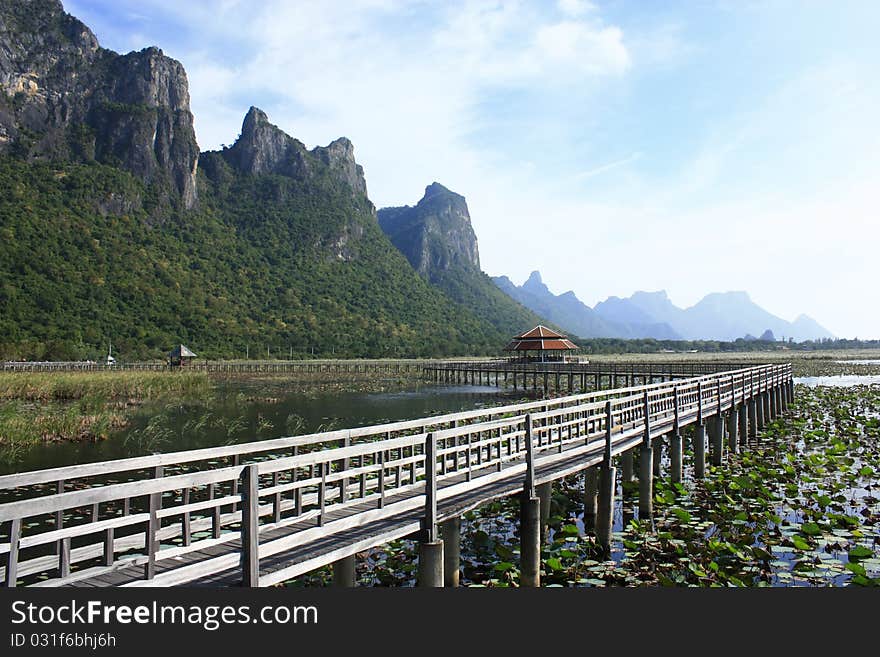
column 436, row 234
column 63, row 96
column 263, row 148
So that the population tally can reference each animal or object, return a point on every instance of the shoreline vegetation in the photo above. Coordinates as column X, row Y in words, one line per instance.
column 81, row 406
column 63, row 406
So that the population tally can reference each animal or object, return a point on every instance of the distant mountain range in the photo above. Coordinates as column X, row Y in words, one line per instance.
column 114, row 225
column 718, row 316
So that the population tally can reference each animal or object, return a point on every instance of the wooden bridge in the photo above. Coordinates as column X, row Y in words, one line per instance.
column 571, row 377
column 261, row 513
column 227, row 366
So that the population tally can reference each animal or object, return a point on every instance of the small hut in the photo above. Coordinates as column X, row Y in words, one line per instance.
column 180, row 356
column 541, row 345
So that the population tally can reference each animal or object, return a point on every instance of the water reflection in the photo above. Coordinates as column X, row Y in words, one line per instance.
column 244, row 412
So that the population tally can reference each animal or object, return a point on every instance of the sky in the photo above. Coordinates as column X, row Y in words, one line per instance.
column 697, row 146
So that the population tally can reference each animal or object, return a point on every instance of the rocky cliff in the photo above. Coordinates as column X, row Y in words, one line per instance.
column 437, row 238
column 436, row 234
column 63, row 97
column 263, row 148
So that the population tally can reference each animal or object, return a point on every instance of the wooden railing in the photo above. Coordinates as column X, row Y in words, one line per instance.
column 220, row 366
column 272, row 496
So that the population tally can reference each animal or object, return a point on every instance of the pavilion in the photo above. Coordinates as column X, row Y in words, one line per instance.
column 549, row 345
column 180, row 355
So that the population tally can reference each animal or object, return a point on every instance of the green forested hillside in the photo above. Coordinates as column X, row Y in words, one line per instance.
column 265, row 261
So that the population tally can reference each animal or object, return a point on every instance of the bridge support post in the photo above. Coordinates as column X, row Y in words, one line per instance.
column 450, row 532
column 605, row 517
column 759, row 408
column 717, row 438
column 732, row 438
column 591, row 490
column 344, row 573
column 431, row 563
column 607, row 477
column 743, row 425
column 545, row 494
column 646, row 480
column 530, row 541
column 658, row 455
column 675, row 457
column 626, row 465
column 431, row 547
column 753, row 417
column 771, row 399
column 767, row 416
column 700, row 450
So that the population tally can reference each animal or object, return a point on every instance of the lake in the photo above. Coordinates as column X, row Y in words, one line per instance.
column 242, row 412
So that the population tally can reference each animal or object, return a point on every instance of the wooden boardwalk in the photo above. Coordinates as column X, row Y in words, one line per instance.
column 571, row 377
column 262, row 513
column 301, row 367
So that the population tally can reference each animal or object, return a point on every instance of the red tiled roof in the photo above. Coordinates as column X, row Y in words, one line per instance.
column 537, row 344
column 540, row 338
column 540, row 331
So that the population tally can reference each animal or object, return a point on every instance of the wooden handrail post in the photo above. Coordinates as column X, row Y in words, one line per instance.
column 12, row 556
column 250, row 539
column 431, row 533
column 529, row 486
column 609, row 418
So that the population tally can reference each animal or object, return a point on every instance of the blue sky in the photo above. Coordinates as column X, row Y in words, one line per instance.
column 686, row 146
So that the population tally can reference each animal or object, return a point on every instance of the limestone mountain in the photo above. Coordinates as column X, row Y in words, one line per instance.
column 438, row 240
column 807, row 328
column 263, row 148
column 717, row 316
column 114, row 227
column 436, row 235
column 643, row 315
column 64, row 97
column 565, row 310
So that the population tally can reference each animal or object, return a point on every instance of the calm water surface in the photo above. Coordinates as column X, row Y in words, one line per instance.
column 245, row 412
column 840, row 380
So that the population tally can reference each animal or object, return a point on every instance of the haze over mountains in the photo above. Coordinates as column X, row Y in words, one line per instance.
column 114, row 226
column 718, row 316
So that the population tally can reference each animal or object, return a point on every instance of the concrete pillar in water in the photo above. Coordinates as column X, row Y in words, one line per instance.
column 753, row 418
column 431, row 564
column 605, row 517
column 450, row 532
column 675, row 457
column 700, row 450
column 344, row 574
column 767, row 416
column 771, row 398
column 545, row 493
column 626, row 464
column 759, row 408
column 743, row 425
column 591, row 490
column 657, row 466
column 646, row 480
column 530, row 541
column 717, row 439
column 732, row 427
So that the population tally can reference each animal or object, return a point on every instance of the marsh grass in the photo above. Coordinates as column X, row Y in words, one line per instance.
column 81, row 406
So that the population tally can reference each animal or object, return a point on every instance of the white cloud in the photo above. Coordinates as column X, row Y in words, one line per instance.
column 575, row 7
